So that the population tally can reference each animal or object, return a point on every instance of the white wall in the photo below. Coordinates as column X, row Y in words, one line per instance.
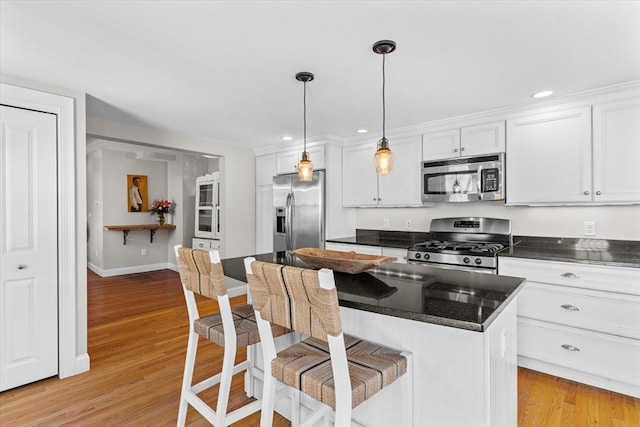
column 612, row 222
column 237, row 167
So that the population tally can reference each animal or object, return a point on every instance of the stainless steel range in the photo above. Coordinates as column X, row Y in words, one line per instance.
column 467, row 243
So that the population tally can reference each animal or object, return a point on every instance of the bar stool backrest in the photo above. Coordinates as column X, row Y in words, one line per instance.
column 200, row 274
column 296, row 298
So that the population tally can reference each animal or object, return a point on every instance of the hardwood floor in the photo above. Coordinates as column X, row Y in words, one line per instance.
column 137, row 327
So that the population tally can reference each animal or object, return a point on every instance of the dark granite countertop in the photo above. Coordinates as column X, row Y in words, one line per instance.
column 453, row 298
column 384, row 238
column 621, row 253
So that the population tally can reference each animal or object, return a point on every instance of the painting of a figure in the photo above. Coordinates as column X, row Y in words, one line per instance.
column 137, row 200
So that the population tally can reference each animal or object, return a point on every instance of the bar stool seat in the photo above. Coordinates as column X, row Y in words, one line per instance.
column 306, row 366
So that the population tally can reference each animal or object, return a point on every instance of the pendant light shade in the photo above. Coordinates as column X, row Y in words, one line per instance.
column 384, row 156
column 305, row 166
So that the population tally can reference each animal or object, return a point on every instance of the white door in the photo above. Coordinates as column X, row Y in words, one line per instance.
column 28, row 242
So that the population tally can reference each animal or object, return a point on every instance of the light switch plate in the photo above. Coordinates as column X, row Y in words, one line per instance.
column 386, row 223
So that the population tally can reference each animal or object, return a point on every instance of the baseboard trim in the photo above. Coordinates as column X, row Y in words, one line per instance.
column 129, row 270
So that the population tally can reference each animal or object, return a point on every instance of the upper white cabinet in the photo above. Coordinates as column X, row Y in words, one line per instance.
column 265, row 169
column 287, row 162
column 467, row 141
column 549, row 157
column 616, row 151
column 361, row 186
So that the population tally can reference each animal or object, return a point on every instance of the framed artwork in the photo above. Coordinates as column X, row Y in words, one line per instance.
column 137, row 199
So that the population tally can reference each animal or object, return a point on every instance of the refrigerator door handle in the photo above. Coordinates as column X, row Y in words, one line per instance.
column 289, row 222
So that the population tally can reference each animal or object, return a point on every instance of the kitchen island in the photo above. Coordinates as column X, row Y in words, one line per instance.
column 459, row 326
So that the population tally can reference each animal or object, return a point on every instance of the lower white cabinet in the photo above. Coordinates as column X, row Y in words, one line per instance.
column 399, row 253
column 198, row 243
column 579, row 321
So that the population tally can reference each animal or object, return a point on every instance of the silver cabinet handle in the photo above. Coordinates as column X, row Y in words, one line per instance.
column 22, row 267
column 461, row 148
column 570, row 347
column 455, row 150
column 570, row 307
column 570, row 276
column 598, row 193
column 586, row 193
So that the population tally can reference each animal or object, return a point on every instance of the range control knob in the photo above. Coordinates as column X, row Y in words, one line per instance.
column 418, row 255
column 478, row 261
column 426, row 256
column 466, row 260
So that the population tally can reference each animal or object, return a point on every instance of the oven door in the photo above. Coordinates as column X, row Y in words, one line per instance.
column 455, row 267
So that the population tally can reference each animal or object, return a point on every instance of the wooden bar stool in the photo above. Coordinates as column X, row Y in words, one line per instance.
column 201, row 272
column 340, row 371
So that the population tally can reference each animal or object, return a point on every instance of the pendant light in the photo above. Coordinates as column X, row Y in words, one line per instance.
column 384, row 156
column 305, row 167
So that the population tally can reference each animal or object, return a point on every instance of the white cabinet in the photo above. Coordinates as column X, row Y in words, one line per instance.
column 208, row 206
column 549, row 157
column 265, row 169
column 399, row 253
column 616, row 151
column 287, row 162
column 264, row 219
column 361, row 186
column 206, row 244
column 467, row 141
column 579, row 321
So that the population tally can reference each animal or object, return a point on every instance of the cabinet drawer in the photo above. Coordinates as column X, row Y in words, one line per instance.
column 607, row 356
column 597, row 277
column 205, row 244
column 607, row 312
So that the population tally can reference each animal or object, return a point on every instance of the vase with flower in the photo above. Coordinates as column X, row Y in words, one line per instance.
column 161, row 207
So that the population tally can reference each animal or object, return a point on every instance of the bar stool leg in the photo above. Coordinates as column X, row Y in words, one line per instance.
column 225, row 383
column 187, row 378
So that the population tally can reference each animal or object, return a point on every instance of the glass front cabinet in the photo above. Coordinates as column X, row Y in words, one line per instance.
column 208, row 206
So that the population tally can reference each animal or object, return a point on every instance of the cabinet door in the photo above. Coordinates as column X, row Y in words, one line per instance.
column 264, row 219
column 441, row 145
column 400, row 254
column 616, row 151
column 549, row 157
column 402, row 186
column 487, row 138
column 265, row 169
column 359, row 178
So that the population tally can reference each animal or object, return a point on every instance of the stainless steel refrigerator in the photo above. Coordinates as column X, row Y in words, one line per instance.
column 299, row 220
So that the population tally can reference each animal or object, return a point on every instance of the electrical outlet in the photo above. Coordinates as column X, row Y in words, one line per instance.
column 386, row 223
column 589, row 228
column 407, row 224
column 143, row 251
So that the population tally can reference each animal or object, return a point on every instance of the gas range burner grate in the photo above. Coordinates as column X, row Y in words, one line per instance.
column 474, row 247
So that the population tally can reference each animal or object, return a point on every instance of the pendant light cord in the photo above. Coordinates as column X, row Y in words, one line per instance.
column 304, row 103
column 383, row 101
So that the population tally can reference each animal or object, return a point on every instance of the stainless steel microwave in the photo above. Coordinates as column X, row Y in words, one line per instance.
column 466, row 179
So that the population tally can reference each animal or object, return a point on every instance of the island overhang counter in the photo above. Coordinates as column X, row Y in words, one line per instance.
column 459, row 326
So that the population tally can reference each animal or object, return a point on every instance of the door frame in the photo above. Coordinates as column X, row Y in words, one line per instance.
column 69, row 363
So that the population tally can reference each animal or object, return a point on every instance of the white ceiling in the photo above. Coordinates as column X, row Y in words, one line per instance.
column 225, row 70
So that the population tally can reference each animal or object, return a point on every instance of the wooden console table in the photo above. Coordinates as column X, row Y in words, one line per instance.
column 126, row 228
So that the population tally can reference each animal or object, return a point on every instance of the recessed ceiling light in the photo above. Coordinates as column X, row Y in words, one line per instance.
column 542, row 94
column 287, row 138
column 362, row 131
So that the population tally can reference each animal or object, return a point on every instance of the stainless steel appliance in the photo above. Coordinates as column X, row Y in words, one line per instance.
column 299, row 219
column 468, row 243
column 466, row 179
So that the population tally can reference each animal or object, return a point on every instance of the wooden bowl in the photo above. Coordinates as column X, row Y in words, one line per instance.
column 346, row 262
